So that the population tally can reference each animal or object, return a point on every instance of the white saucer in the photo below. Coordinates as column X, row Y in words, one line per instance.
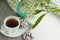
column 16, row 33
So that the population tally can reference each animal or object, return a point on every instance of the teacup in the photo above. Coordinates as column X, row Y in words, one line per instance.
column 11, row 24
column 14, row 26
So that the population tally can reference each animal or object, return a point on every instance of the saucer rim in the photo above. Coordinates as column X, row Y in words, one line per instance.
column 15, row 34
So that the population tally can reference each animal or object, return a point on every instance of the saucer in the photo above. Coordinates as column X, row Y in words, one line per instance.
column 17, row 33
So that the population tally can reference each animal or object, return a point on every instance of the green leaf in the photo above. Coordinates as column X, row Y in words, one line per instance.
column 38, row 20
column 42, row 4
column 39, row 0
column 38, row 11
column 48, row 1
column 55, row 10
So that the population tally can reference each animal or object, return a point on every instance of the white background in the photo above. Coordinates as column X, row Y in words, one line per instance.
column 48, row 28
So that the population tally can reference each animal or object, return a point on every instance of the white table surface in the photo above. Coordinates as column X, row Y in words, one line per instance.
column 48, row 28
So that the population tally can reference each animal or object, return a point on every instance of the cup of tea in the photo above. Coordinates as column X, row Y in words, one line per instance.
column 11, row 24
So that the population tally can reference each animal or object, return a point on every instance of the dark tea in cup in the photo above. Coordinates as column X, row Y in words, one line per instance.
column 12, row 23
